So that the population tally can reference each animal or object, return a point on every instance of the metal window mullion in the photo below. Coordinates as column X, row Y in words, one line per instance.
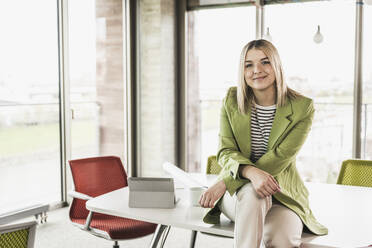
column 136, row 84
column 213, row 4
column 262, row 23
column 181, row 90
column 127, row 86
column 210, row 4
column 259, row 19
column 356, row 152
column 365, row 130
column 132, row 76
column 64, row 86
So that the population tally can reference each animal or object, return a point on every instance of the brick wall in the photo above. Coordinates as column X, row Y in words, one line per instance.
column 157, row 85
column 109, row 76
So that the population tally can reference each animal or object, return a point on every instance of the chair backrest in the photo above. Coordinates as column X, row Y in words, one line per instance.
column 94, row 177
column 21, row 235
column 356, row 172
column 212, row 166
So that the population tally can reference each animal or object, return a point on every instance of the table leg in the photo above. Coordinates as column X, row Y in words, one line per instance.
column 157, row 235
column 165, row 235
column 193, row 238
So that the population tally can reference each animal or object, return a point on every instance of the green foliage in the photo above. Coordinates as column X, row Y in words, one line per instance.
column 21, row 140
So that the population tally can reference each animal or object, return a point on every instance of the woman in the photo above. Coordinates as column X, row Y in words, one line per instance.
column 262, row 128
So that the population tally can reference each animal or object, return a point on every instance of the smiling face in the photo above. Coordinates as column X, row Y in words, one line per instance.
column 258, row 72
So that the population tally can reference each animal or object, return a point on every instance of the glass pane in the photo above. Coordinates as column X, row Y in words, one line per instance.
column 216, row 39
column 157, row 107
column 96, row 78
column 323, row 71
column 367, row 84
column 29, row 104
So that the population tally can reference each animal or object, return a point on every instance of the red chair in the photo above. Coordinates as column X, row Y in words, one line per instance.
column 93, row 177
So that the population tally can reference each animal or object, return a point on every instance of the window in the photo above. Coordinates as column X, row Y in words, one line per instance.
column 96, row 78
column 216, row 37
column 29, row 104
column 367, row 85
column 324, row 72
column 157, row 109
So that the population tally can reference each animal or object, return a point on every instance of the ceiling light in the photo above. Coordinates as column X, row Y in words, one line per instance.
column 318, row 37
column 267, row 36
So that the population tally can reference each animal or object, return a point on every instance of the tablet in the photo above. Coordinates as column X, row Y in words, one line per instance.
column 151, row 192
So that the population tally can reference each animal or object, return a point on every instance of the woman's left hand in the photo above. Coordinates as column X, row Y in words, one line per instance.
column 212, row 194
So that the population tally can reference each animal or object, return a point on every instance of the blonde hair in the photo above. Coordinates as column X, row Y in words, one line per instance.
column 245, row 94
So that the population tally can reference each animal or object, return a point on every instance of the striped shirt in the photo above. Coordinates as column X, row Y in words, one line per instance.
column 262, row 118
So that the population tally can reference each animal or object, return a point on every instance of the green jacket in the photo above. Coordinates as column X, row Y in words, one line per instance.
column 291, row 125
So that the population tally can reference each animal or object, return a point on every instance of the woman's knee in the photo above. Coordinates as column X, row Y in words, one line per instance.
column 283, row 228
column 247, row 192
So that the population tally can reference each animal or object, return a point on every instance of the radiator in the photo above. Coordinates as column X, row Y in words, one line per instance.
column 38, row 210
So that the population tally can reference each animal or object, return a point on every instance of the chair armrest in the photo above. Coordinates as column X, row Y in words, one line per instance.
column 82, row 196
column 79, row 195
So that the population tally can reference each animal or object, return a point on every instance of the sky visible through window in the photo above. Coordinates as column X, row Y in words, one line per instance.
column 29, row 49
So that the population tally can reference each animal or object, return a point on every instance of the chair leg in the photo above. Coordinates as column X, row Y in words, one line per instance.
column 116, row 245
column 193, row 238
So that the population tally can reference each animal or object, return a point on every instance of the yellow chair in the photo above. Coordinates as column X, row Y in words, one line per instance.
column 356, row 172
column 21, row 235
column 212, row 166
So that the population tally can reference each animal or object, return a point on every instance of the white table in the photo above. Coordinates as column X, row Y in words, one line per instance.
column 345, row 210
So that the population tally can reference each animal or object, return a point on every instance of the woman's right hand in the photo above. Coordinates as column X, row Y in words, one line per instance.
column 263, row 183
column 212, row 194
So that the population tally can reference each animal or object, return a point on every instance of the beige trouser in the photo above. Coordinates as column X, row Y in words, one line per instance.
column 261, row 222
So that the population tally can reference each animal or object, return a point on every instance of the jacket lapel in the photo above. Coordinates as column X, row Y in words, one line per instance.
column 280, row 124
column 242, row 128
